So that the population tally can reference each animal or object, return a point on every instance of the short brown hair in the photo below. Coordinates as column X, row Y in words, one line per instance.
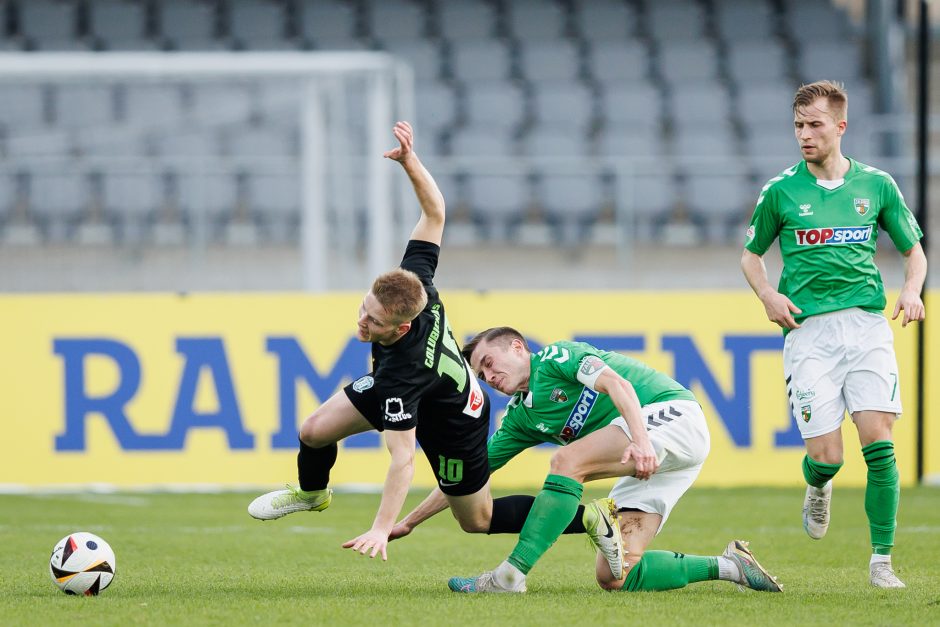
column 401, row 294
column 832, row 91
column 499, row 335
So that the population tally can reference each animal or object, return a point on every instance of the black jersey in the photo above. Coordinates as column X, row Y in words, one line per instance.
column 423, row 372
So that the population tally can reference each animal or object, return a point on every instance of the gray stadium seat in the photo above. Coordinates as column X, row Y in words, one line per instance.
column 188, row 24
column 134, row 199
column 618, row 61
column 276, row 199
column 150, row 105
column 465, row 20
column 260, row 141
column 482, row 141
column 572, row 204
column 327, row 24
column 688, row 61
column 495, row 103
column 48, row 143
column 744, row 20
column 555, row 141
column 634, row 141
column 834, row 61
column 631, row 103
column 651, row 198
column 424, row 56
column 212, row 197
column 435, row 107
column 49, row 24
column 549, row 61
column 712, row 143
column 480, row 60
column 393, row 21
column 58, row 199
column 758, row 103
column 563, row 104
column 84, row 105
column 257, row 25
column 756, row 61
column 535, row 20
column 23, row 106
column 222, row 103
column 725, row 201
column 604, row 20
column 191, row 145
column 811, row 21
column 675, row 20
column 498, row 199
column 119, row 25
column 698, row 105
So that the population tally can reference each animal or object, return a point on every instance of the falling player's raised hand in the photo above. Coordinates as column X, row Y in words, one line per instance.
column 405, row 135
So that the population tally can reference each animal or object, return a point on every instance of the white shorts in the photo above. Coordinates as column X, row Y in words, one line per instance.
column 840, row 361
column 678, row 432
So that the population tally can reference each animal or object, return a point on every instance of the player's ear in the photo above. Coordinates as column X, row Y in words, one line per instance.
column 404, row 327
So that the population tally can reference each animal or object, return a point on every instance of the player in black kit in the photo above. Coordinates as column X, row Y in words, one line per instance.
column 420, row 389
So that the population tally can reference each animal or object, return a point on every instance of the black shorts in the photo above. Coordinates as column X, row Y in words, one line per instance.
column 453, row 442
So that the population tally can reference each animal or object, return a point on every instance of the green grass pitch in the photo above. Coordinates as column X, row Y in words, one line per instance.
column 189, row 559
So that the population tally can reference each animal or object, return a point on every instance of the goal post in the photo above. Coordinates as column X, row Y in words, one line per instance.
column 339, row 106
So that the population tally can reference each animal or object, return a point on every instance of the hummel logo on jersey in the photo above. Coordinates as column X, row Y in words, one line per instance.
column 805, row 210
column 833, row 235
column 395, row 410
column 578, row 415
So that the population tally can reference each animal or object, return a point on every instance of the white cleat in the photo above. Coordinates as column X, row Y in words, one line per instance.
column 816, row 510
column 485, row 583
column 280, row 503
column 882, row 576
column 602, row 526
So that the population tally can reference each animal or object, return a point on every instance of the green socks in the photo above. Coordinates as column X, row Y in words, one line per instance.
column 881, row 494
column 552, row 511
column 818, row 473
column 665, row 570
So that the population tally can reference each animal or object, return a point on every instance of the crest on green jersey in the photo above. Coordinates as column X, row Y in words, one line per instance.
column 862, row 205
column 558, row 395
column 806, row 411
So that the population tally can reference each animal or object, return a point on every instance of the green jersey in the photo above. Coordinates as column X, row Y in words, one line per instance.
column 560, row 408
column 828, row 234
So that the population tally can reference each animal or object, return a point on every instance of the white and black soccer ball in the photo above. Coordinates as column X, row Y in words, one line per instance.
column 82, row 563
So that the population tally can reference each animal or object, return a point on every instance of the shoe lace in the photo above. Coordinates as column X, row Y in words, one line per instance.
column 289, row 498
column 818, row 508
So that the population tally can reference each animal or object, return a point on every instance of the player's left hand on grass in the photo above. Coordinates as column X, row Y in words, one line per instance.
column 644, row 458
column 373, row 540
column 405, row 135
column 912, row 305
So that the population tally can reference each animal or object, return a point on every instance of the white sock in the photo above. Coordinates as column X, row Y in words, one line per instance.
column 728, row 570
column 508, row 576
column 875, row 558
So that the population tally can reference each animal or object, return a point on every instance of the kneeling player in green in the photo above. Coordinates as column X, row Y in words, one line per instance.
column 614, row 417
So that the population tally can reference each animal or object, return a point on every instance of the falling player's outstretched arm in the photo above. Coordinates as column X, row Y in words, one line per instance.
column 430, row 227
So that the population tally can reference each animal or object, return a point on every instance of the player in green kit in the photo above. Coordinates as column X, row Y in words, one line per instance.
column 839, row 350
column 614, row 417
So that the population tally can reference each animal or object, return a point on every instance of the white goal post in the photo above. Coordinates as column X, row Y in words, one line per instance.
column 326, row 142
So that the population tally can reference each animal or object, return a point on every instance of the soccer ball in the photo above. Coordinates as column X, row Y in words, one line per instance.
column 82, row 563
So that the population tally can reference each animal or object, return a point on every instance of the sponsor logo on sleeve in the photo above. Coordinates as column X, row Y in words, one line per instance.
column 395, row 410
column 363, row 383
column 833, row 235
column 862, row 205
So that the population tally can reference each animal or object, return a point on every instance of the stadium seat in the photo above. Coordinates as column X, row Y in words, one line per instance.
column 327, row 24
column 482, row 141
column 276, row 199
column 811, row 22
column 604, row 21
column 549, row 61
column 424, row 56
column 633, row 141
column 263, row 142
column 257, row 25
column 216, row 103
column 571, row 204
column 834, row 61
column 636, row 103
column 396, row 21
column 49, row 144
column 554, row 141
column 135, row 198
column 84, row 105
column 699, row 105
column 745, row 21
column 119, row 25
column 58, row 199
column 711, row 143
column 498, row 199
column 480, row 60
column 467, row 20
column 435, row 110
column 760, row 103
column 618, row 61
column 535, row 20
column 195, row 145
column 563, row 104
column 675, row 20
column 680, row 63
column 724, row 199
column 495, row 103
column 23, row 106
column 210, row 198
column 151, row 105
column 755, row 61
column 49, row 25
column 188, row 24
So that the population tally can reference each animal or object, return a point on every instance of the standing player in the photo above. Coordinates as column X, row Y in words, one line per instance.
column 614, row 417
column 839, row 351
column 420, row 389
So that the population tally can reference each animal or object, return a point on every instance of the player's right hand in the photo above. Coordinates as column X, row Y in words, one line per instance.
column 644, row 459
column 780, row 310
column 405, row 135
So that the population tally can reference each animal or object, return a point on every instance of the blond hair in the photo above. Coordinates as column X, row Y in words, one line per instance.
column 832, row 91
column 401, row 294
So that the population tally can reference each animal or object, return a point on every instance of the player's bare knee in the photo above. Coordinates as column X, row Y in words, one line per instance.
column 566, row 464
column 309, row 433
column 474, row 524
